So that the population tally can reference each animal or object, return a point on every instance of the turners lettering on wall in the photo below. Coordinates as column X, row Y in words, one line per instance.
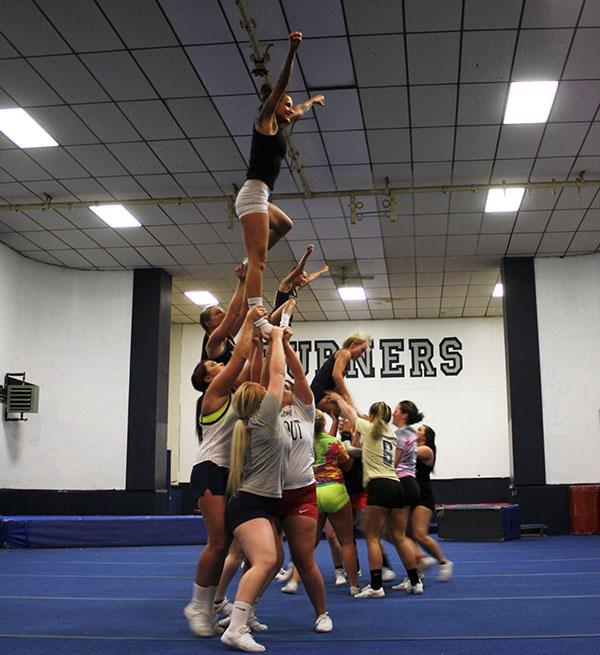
column 389, row 358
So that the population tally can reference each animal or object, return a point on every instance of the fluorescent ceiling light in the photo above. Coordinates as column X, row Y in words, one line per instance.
column 204, row 298
column 115, row 215
column 21, row 129
column 504, row 200
column 529, row 102
column 352, row 293
column 498, row 291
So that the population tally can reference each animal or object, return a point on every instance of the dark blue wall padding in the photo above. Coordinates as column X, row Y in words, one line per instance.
column 78, row 531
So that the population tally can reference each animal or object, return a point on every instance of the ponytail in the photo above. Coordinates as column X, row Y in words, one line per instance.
column 382, row 415
column 239, row 447
column 198, row 417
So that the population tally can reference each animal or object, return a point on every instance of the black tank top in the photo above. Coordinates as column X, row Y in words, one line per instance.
column 225, row 354
column 422, row 473
column 266, row 153
column 323, row 380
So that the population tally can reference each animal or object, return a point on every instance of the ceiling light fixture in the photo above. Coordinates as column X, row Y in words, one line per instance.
column 498, row 291
column 115, row 215
column 204, row 298
column 22, row 130
column 352, row 293
column 504, row 200
column 529, row 102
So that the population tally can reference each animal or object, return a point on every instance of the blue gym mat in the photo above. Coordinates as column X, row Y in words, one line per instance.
column 539, row 594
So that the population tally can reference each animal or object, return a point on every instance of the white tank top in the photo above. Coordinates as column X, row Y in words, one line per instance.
column 299, row 422
column 217, row 432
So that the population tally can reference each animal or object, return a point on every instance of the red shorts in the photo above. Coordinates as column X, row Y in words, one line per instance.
column 358, row 501
column 298, row 502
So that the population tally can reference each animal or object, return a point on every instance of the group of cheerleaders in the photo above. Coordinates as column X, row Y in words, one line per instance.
column 265, row 464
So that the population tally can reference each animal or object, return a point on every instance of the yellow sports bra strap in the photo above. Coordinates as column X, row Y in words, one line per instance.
column 216, row 415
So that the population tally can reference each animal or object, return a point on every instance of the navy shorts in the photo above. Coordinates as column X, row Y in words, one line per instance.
column 411, row 491
column 245, row 507
column 208, row 476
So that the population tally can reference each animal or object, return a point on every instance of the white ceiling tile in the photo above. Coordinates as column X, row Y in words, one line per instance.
column 317, row 18
column 136, row 236
column 69, row 77
column 160, row 186
column 461, row 245
column 591, row 145
column 363, row 20
column 200, row 234
column 123, row 187
column 337, row 249
column 197, row 117
column 585, row 242
column 554, row 243
column 432, row 16
column 497, row 223
column 433, row 173
column 237, row 112
column 157, row 255
column 49, row 220
column 216, row 253
column 186, row 255
column 433, row 105
column 230, row 76
column 584, row 59
column 431, row 224
column 159, row 64
column 81, row 24
column 341, row 110
column 219, row 153
column 21, row 166
column 563, row 139
column 25, row 86
column 17, row 241
column 482, row 63
column 71, row 258
column 433, row 58
column 17, row 19
column 493, row 244
column 483, row 15
column 325, row 62
column 368, row 248
column 137, row 158
column 481, row 103
column 551, row 168
column 151, row 119
column 379, row 60
column 519, row 141
column 198, row 184
column 193, row 26
column 575, row 101
column 468, row 201
column 352, row 177
column 431, row 203
column 46, row 240
column 591, row 220
column 524, row 244
column 433, row 144
column 471, row 172
column 43, row 256
column 139, row 29
column 541, row 54
column 532, row 221
column 120, row 75
column 346, row 147
column 107, row 122
column 567, row 220
column 106, row 237
column 96, row 159
column 75, row 239
column 477, row 142
column 430, row 246
column 63, row 125
column 538, row 13
column 389, row 145
column 169, row 235
column 511, row 170
column 385, row 107
column 15, row 193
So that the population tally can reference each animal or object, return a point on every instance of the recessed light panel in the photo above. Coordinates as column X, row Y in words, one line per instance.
column 115, row 215
column 204, row 298
column 504, row 200
column 22, row 130
column 529, row 102
column 352, row 293
column 498, row 291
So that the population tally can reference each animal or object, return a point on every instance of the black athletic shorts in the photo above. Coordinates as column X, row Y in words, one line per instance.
column 426, row 498
column 207, row 475
column 410, row 488
column 384, row 492
column 245, row 507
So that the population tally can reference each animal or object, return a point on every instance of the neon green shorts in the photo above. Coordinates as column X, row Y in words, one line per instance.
column 331, row 497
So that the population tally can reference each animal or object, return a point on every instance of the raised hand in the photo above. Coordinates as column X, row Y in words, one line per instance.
column 295, row 39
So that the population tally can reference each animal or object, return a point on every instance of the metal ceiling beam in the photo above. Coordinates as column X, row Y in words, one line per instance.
column 386, row 192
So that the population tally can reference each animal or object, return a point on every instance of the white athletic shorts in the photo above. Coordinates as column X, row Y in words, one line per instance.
column 252, row 197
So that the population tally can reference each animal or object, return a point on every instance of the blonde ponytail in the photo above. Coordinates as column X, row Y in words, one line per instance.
column 245, row 403
column 239, row 447
column 382, row 414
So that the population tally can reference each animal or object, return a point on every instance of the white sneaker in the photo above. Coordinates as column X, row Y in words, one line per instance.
column 424, row 564
column 290, row 588
column 415, row 588
column 340, row 578
column 255, row 625
column 223, row 608
column 369, row 592
column 402, row 586
column 284, row 574
column 445, row 571
column 323, row 623
column 354, row 591
column 242, row 639
column 387, row 574
column 201, row 621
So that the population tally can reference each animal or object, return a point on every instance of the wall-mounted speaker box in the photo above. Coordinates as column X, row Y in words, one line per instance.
column 486, row 522
column 584, row 506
